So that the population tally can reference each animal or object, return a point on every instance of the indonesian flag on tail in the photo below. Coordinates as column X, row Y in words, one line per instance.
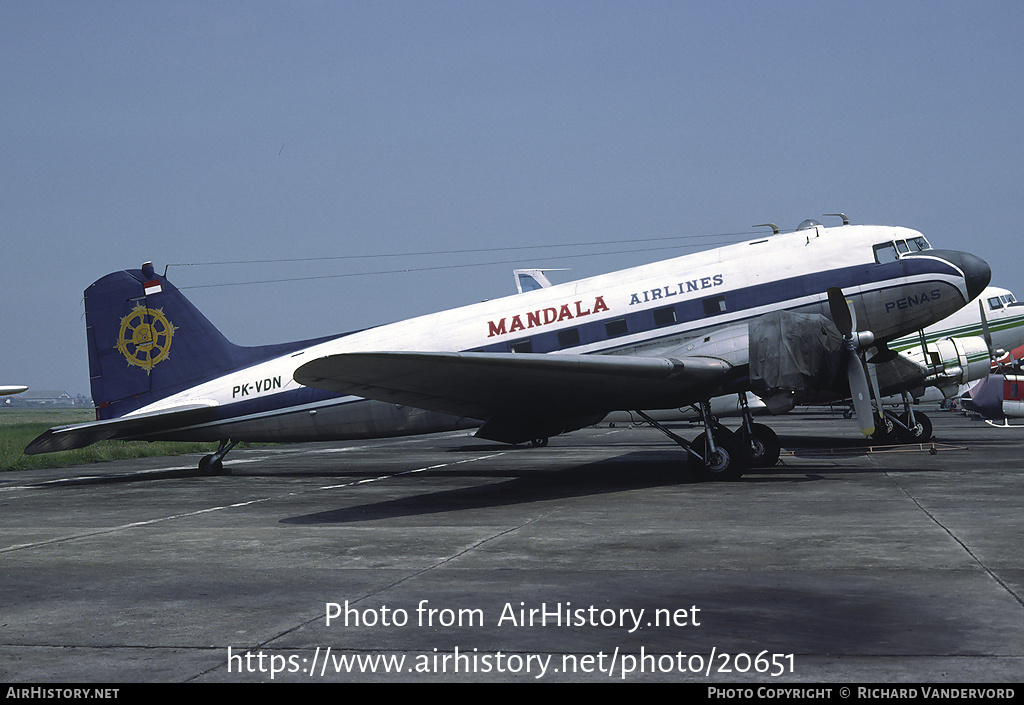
column 152, row 287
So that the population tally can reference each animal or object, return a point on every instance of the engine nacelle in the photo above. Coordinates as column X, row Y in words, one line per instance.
column 960, row 360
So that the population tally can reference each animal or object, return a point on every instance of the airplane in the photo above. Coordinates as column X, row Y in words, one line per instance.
column 12, row 389
column 998, row 397
column 529, row 366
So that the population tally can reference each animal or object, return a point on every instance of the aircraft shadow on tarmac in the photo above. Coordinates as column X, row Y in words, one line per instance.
column 630, row 471
column 121, row 477
column 636, row 470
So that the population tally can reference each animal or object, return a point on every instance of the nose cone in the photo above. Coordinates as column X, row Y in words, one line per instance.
column 977, row 273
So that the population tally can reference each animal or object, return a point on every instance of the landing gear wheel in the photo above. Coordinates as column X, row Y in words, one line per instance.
column 539, row 442
column 762, row 446
column 212, row 465
column 885, row 430
column 920, row 432
column 724, row 464
column 209, row 466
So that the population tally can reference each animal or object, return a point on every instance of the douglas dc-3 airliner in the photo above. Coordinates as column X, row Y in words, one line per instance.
column 788, row 316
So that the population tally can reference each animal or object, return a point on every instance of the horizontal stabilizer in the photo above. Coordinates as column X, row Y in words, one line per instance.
column 124, row 428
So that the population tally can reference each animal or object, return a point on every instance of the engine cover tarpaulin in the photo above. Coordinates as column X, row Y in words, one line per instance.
column 794, row 351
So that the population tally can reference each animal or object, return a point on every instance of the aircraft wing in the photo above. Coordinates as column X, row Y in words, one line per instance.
column 900, row 374
column 519, row 396
column 124, row 428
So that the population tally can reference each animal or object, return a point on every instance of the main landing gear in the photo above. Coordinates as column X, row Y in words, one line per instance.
column 760, row 442
column 721, row 454
column 909, row 427
column 213, row 464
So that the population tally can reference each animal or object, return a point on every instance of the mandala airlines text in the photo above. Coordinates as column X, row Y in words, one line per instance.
column 545, row 316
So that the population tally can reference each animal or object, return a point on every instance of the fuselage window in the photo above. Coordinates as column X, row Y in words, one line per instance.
column 569, row 337
column 995, row 303
column 522, row 346
column 665, row 316
column 713, row 305
column 616, row 327
column 885, row 253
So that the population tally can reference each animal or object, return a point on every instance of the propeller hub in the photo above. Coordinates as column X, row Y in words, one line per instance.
column 864, row 338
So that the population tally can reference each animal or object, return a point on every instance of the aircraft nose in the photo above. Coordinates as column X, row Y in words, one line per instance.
column 977, row 273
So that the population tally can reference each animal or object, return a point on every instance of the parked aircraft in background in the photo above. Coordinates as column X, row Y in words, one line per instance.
column 529, row 366
column 532, row 279
column 998, row 397
column 1013, row 360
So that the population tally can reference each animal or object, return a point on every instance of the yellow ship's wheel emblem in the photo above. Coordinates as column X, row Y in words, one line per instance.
column 145, row 337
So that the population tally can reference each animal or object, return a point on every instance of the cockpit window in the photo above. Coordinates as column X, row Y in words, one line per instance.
column 1008, row 299
column 885, row 253
column 995, row 303
column 892, row 251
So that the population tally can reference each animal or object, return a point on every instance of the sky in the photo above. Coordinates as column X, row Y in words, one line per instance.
column 285, row 161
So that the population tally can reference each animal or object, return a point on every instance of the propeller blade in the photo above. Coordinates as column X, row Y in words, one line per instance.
column 924, row 350
column 839, row 308
column 986, row 333
column 860, row 394
column 844, row 315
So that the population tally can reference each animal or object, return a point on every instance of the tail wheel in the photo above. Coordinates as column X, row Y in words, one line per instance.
column 210, row 465
column 723, row 464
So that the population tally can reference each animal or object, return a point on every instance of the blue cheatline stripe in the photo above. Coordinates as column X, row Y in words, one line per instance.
column 778, row 293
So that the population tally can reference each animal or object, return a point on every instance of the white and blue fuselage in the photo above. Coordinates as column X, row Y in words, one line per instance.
column 670, row 306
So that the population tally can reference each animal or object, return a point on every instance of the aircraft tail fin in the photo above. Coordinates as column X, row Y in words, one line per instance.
column 147, row 341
